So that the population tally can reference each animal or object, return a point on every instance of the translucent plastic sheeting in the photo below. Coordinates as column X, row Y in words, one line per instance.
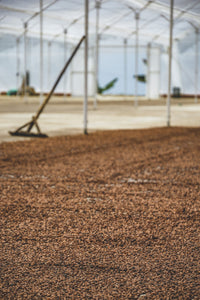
column 117, row 21
column 116, row 17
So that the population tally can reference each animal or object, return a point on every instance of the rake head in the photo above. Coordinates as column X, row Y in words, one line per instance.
column 28, row 134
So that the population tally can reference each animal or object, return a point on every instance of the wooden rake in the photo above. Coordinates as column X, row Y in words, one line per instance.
column 33, row 122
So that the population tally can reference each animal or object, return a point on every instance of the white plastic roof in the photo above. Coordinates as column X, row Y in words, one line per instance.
column 117, row 19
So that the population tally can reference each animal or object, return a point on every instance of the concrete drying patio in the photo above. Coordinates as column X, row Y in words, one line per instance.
column 65, row 116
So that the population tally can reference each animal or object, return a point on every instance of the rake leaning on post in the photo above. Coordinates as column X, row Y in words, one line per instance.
column 33, row 122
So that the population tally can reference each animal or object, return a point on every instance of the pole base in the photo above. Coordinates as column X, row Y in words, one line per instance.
column 85, row 132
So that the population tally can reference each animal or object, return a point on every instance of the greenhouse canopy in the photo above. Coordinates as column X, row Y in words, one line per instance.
column 39, row 35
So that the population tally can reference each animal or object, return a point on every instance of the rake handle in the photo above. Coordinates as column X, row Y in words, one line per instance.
column 55, row 84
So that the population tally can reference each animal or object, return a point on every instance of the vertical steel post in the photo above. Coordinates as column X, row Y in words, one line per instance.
column 137, row 15
column 41, row 51
column 71, row 75
column 17, row 65
column 25, row 60
column 125, row 66
column 170, row 64
column 148, row 70
column 196, row 64
column 86, row 68
column 96, row 71
column 49, row 64
column 65, row 58
column 159, row 71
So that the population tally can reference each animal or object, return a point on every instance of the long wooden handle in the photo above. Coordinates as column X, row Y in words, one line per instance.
column 58, row 79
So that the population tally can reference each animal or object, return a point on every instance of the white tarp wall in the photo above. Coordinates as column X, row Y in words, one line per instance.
column 187, row 60
column 117, row 20
column 8, row 76
column 114, row 64
column 77, row 74
column 12, row 62
column 153, row 73
column 176, row 70
column 183, row 67
column 52, row 65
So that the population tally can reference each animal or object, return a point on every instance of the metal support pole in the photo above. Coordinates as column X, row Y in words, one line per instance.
column 17, row 65
column 148, row 69
column 125, row 66
column 96, row 72
column 159, row 71
column 49, row 63
column 170, row 64
column 86, row 67
column 65, row 58
column 71, row 76
column 41, row 51
column 137, row 15
column 25, row 62
column 196, row 64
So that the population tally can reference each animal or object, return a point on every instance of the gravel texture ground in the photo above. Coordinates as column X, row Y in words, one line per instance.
column 111, row 215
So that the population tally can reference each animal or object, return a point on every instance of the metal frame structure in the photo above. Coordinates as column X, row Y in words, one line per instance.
column 110, row 26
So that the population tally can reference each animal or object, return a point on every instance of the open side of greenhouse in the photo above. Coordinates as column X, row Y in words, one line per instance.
column 144, row 49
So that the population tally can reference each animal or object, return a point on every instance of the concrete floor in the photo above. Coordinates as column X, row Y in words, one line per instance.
column 64, row 117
